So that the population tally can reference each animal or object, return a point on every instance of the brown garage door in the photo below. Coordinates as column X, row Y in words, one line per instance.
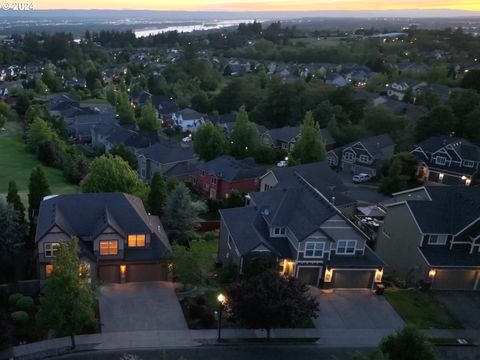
column 146, row 272
column 109, row 273
column 455, row 280
column 309, row 275
column 352, row 278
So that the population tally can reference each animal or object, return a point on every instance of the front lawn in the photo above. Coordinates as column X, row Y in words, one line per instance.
column 206, row 246
column 16, row 164
column 421, row 309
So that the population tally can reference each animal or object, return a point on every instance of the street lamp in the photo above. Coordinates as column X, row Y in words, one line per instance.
column 221, row 299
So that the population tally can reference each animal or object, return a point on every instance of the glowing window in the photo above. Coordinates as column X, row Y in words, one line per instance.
column 109, row 247
column 137, row 240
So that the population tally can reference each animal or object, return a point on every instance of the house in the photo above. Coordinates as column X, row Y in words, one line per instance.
column 336, row 80
column 218, row 177
column 106, row 136
column 80, row 127
column 447, row 160
column 399, row 88
column 411, row 67
column 163, row 156
column 75, row 83
column 189, row 120
column 9, row 87
column 284, row 138
column 401, row 108
column 318, row 175
column 432, row 235
column 308, row 237
column 367, row 155
column 118, row 240
column 441, row 92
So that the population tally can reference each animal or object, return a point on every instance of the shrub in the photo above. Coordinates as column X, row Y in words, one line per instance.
column 228, row 274
column 195, row 310
column 200, row 300
column 20, row 318
column 25, row 303
column 12, row 299
column 207, row 320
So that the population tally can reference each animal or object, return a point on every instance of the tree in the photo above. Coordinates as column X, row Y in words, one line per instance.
column 38, row 188
column 14, row 199
column 75, row 168
column 126, row 154
column 309, row 148
column 110, row 173
column 12, row 236
column 402, row 173
column 270, row 300
column 408, row 344
column 181, row 215
column 244, row 138
column 149, row 121
column 157, row 197
column 3, row 120
column 125, row 110
column 51, row 81
column 186, row 265
column 439, row 121
column 210, row 141
column 68, row 304
column 471, row 80
column 39, row 132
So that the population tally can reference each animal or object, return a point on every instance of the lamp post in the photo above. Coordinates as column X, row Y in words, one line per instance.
column 221, row 299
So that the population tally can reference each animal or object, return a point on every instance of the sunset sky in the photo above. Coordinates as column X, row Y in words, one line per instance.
column 262, row 5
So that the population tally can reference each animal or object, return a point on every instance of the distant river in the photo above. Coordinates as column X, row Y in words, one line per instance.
column 190, row 28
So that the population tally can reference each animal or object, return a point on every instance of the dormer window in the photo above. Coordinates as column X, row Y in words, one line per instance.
column 50, row 249
column 136, row 240
column 109, row 247
column 279, row 231
column 440, row 160
column 363, row 158
column 349, row 156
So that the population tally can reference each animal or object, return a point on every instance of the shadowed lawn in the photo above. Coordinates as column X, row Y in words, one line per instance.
column 421, row 309
column 16, row 164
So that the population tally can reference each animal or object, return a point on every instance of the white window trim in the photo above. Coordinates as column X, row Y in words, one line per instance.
column 316, row 245
column 346, row 247
column 350, row 156
column 440, row 160
column 468, row 163
column 439, row 237
column 51, row 249
column 364, row 158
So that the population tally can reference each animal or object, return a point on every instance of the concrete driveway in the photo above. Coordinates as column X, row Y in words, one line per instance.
column 463, row 305
column 354, row 309
column 140, row 306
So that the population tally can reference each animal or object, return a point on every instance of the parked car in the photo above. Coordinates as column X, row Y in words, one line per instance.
column 360, row 178
column 187, row 139
column 282, row 163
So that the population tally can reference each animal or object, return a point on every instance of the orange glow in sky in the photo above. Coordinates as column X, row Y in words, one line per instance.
column 261, row 5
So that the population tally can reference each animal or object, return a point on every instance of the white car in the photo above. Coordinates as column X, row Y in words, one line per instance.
column 360, row 178
column 187, row 139
column 282, row 163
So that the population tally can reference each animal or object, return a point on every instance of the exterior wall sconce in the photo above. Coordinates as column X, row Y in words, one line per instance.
column 123, row 273
column 440, row 176
column 328, row 275
column 378, row 275
column 432, row 273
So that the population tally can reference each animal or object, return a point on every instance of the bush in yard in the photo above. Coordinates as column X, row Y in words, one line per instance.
column 12, row 299
column 25, row 303
column 207, row 319
column 228, row 274
column 408, row 344
column 21, row 318
column 195, row 310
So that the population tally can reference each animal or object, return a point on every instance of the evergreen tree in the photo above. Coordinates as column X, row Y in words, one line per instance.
column 244, row 138
column 68, row 305
column 14, row 199
column 309, row 148
column 38, row 188
column 157, row 197
column 125, row 110
column 149, row 121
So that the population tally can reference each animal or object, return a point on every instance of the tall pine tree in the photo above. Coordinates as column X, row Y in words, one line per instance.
column 38, row 188
column 157, row 197
column 14, row 199
column 309, row 148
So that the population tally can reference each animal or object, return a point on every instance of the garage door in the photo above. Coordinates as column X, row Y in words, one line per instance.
column 146, row 272
column 309, row 275
column 352, row 279
column 455, row 280
column 109, row 273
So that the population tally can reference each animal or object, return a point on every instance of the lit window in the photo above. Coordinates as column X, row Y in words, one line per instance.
column 109, row 247
column 314, row 249
column 440, row 160
column 136, row 240
column 50, row 249
column 346, row 247
column 48, row 270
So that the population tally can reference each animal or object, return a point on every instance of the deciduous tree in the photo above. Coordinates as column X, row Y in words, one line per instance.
column 210, row 141
column 244, row 138
column 149, row 121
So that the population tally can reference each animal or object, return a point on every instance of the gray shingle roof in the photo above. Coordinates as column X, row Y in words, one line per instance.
column 227, row 168
column 167, row 151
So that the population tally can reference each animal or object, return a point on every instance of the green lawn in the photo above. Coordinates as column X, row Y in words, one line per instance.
column 16, row 164
column 421, row 309
column 206, row 249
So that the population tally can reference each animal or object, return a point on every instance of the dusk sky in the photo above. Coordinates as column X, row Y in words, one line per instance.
column 262, row 5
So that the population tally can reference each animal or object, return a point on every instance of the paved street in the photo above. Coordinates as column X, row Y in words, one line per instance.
column 355, row 309
column 140, row 306
column 468, row 313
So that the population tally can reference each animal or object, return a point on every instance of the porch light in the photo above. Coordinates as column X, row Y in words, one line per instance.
column 468, row 182
column 378, row 275
column 221, row 298
column 328, row 275
column 123, row 269
column 440, row 176
column 286, row 158
column 464, row 178
column 432, row 273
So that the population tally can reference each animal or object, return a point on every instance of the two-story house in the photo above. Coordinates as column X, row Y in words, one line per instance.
column 189, row 120
column 432, row 234
column 218, row 177
column 285, row 137
column 163, row 156
column 367, row 155
column 318, row 175
column 305, row 233
column 447, row 160
column 107, row 136
column 399, row 88
column 118, row 240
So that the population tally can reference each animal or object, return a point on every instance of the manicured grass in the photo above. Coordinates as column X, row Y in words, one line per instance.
column 16, row 164
column 421, row 309
column 207, row 249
